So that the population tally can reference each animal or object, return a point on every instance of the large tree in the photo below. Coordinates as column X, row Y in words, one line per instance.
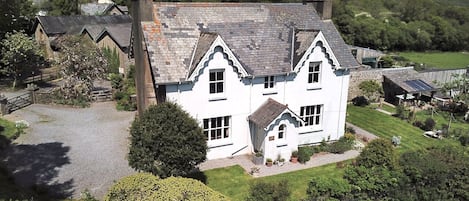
column 20, row 56
column 61, row 7
column 16, row 15
column 82, row 63
column 166, row 141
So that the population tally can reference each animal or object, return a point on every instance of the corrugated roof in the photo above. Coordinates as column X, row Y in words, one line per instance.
column 267, row 112
column 74, row 24
column 259, row 34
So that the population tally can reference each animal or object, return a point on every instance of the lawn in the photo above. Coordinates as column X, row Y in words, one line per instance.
column 386, row 126
column 234, row 181
column 439, row 60
column 440, row 117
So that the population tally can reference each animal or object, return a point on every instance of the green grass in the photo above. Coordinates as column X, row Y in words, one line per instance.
column 441, row 117
column 388, row 108
column 439, row 60
column 386, row 126
column 234, row 181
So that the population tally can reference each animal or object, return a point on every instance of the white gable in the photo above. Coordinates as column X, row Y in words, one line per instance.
column 320, row 41
column 237, row 67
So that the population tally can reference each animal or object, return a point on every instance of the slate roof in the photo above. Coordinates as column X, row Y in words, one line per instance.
column 74, row 24
column 259, row 34
column 406, row 80
column 120, row 33
column 95, row 8
column 267, row 112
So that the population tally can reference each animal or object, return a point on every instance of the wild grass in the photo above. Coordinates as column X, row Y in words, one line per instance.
column 438, row 60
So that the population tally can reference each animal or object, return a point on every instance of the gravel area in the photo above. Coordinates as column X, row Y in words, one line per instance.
column 69, row 150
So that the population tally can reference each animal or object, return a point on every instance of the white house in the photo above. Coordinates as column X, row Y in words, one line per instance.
column 258, row 77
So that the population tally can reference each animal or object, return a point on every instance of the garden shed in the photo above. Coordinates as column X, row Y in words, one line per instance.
column 407, row 87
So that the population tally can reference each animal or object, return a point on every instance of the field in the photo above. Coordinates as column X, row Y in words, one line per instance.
column 439, row 60
column 234, row 181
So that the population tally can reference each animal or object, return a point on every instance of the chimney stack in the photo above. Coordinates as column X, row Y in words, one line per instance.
column 323, row 7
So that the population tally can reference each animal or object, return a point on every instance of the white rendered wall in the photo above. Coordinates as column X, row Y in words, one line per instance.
column 243, row 96
column 282, row 147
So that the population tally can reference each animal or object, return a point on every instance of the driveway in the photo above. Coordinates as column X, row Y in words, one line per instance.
column 68, row 150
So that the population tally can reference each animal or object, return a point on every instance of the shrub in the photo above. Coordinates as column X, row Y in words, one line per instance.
column 418, row 124
column 429, row 124
column 294, row 153
column 304, row 154
column 339, row 147
column 360, row 101
column 350, row 130
column 325, row 188
column 268, row 191
column 145, row 186
column 464, row 139
column 400, row 112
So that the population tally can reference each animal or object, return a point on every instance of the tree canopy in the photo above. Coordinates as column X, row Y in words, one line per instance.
column 16, row 15
column 166, row 141
column 145, row 186
column 403, row 24
column 20, row 56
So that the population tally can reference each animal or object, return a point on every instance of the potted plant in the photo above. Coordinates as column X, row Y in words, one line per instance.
column 269, row 162
column 294, row 157
column 281, row 162
column 258, row 158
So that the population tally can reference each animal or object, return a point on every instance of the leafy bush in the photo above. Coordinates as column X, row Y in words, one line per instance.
column 123, row 90
column 464, row 139
column 145, row 186
column 304, row 154
column 269, row 191
column 400, row 112
column 325, row 188
column 419, row 124
column 340, row 147
column 429, row 124
column 350, row 130
column 360, row 101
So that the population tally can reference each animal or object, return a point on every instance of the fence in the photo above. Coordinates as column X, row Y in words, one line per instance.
column 10, row 105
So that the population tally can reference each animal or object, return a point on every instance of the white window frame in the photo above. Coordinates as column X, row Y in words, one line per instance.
column 217, row 128
column 314, row 68
column 217, row 81
column 311, row 115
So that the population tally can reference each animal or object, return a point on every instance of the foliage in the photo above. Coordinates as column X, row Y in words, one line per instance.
column 379, row 152
column 81, row 63
column 458, row 88
column 112, row 58
column 166, row 141
column 360, row 101
column 268, row 191
column 324, row 188
column 294, row 153
column 400, row 111
column 86, row 196
column 342, row 145
column 371, row 89
column 145, row 186
column 16, row 15
column 429, row 124
column 402, row 24
column 21, row 56
column 304, row 154
column 438, row 173
column 124, row 88
column 61, row 7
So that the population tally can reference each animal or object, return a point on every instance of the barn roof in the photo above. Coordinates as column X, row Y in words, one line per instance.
column 74, row 24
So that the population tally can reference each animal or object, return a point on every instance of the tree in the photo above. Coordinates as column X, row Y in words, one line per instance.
column 20, row 56
column 146, row 187
column 371, row 89
column 16, row 15
column 166, row 141
column 82, row 63
column 375, row 175
column 268, row 191
column 458, row 88
column 325, row 188
column 437, row 173
column 61, row 7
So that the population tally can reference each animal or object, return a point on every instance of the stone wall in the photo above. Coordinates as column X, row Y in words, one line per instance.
column 356, row 77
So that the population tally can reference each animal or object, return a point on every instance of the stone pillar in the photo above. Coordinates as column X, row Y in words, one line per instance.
column 3, row 105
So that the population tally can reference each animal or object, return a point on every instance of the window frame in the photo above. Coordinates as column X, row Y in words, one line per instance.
column 269, row 82
column 222, row 125
column 311, row 115
column 312, row 71
column 282, row 129
column 217, row 81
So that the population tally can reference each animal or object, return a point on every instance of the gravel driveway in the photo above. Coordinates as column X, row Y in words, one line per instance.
column 71, row 149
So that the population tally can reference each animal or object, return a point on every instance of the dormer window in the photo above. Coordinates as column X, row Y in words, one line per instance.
column 314, row 72
column 269, row 82
column 217, row 81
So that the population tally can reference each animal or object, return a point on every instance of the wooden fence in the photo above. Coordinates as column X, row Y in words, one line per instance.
column 18, row 102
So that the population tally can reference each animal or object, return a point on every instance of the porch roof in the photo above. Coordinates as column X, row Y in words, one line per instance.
column 268, row 112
